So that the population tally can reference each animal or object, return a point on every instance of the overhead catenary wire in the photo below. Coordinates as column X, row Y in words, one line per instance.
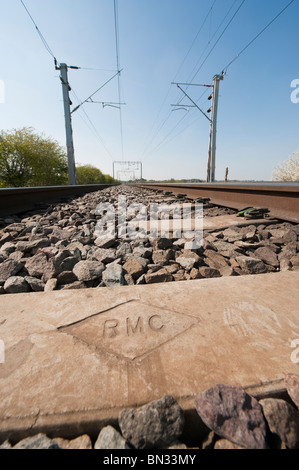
column 92, row 126
column 49, row 50
column 152, row 134
column 257, row 36
column 117, row 49
column 219, row 38
column 95, row 92
column 46, row 45
column 221, row 35
column 169, row 137
column 195, row 38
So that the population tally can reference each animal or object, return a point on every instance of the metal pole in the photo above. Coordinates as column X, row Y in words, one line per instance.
column 213, row 129
column 68, row 124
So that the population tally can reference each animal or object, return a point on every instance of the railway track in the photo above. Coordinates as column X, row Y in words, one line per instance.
column 89, row 327
column 282, row 200
column 16, row 200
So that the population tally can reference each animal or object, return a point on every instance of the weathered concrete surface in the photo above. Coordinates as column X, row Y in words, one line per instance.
column 74, row 359
column 198, row 223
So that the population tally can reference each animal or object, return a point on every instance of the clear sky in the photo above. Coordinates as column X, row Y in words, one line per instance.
column 160, row 41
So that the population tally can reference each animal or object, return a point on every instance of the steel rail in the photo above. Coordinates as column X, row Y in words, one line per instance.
column 282, row 200
column 18, row 200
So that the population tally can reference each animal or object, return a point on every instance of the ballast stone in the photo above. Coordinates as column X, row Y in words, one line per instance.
column 283, row 420
column 88, row 270
column 233, row 414
column 113, row 275
column 156, row 424
column 16, row 285
column 39, row 441
column 110, row 438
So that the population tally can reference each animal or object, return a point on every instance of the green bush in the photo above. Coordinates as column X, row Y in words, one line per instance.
column 27, row 159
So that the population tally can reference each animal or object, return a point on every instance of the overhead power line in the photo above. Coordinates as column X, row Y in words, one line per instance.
column 195, row 38
column 49, row 50
column 102, row 86
column 119, row 71
column 193, row 76
column 258, row 35
column 152, row 133
column 221, row 35
column 92, row 127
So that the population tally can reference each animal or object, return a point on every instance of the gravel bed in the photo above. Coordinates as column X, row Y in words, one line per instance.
column 56, row 247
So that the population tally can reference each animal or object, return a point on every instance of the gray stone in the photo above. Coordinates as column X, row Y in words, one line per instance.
column 66, row 277
column 9, row 268
column 134, row 268
column 78, row 249
column 233, row 414
column 67, row 264
column 162, row 257
column 159, row 276
column 251, row 265
column 104, row 255
column 81, row 442
column 227, row 250
column 187, row 261
column 232, row 235
column 143, row 251
column 8, row 248
column 267, row 255
column 208, row 272
column 123, row 250
column 49, row 271
column 143, row 261
column 105, row 241
column 6, row 237
column 50, row 285
column 39, row 441
column 113, row 275
column 162, row 243
column 36, row 265
column 16, row 285
column 215, row 260
column 154, row 425
column 110, row 438
column 283, row 420
column 88, row 270
column 50, row 251
column 6, row 445
column 25, row 247
column 37, row 285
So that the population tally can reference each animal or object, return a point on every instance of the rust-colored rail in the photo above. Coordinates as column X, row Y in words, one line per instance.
column 282, row 200
column 16, row 200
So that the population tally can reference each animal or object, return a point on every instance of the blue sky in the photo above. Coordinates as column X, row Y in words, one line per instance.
column 257, row 122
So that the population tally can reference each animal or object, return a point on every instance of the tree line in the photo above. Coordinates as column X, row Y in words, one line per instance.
column 29, row 160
